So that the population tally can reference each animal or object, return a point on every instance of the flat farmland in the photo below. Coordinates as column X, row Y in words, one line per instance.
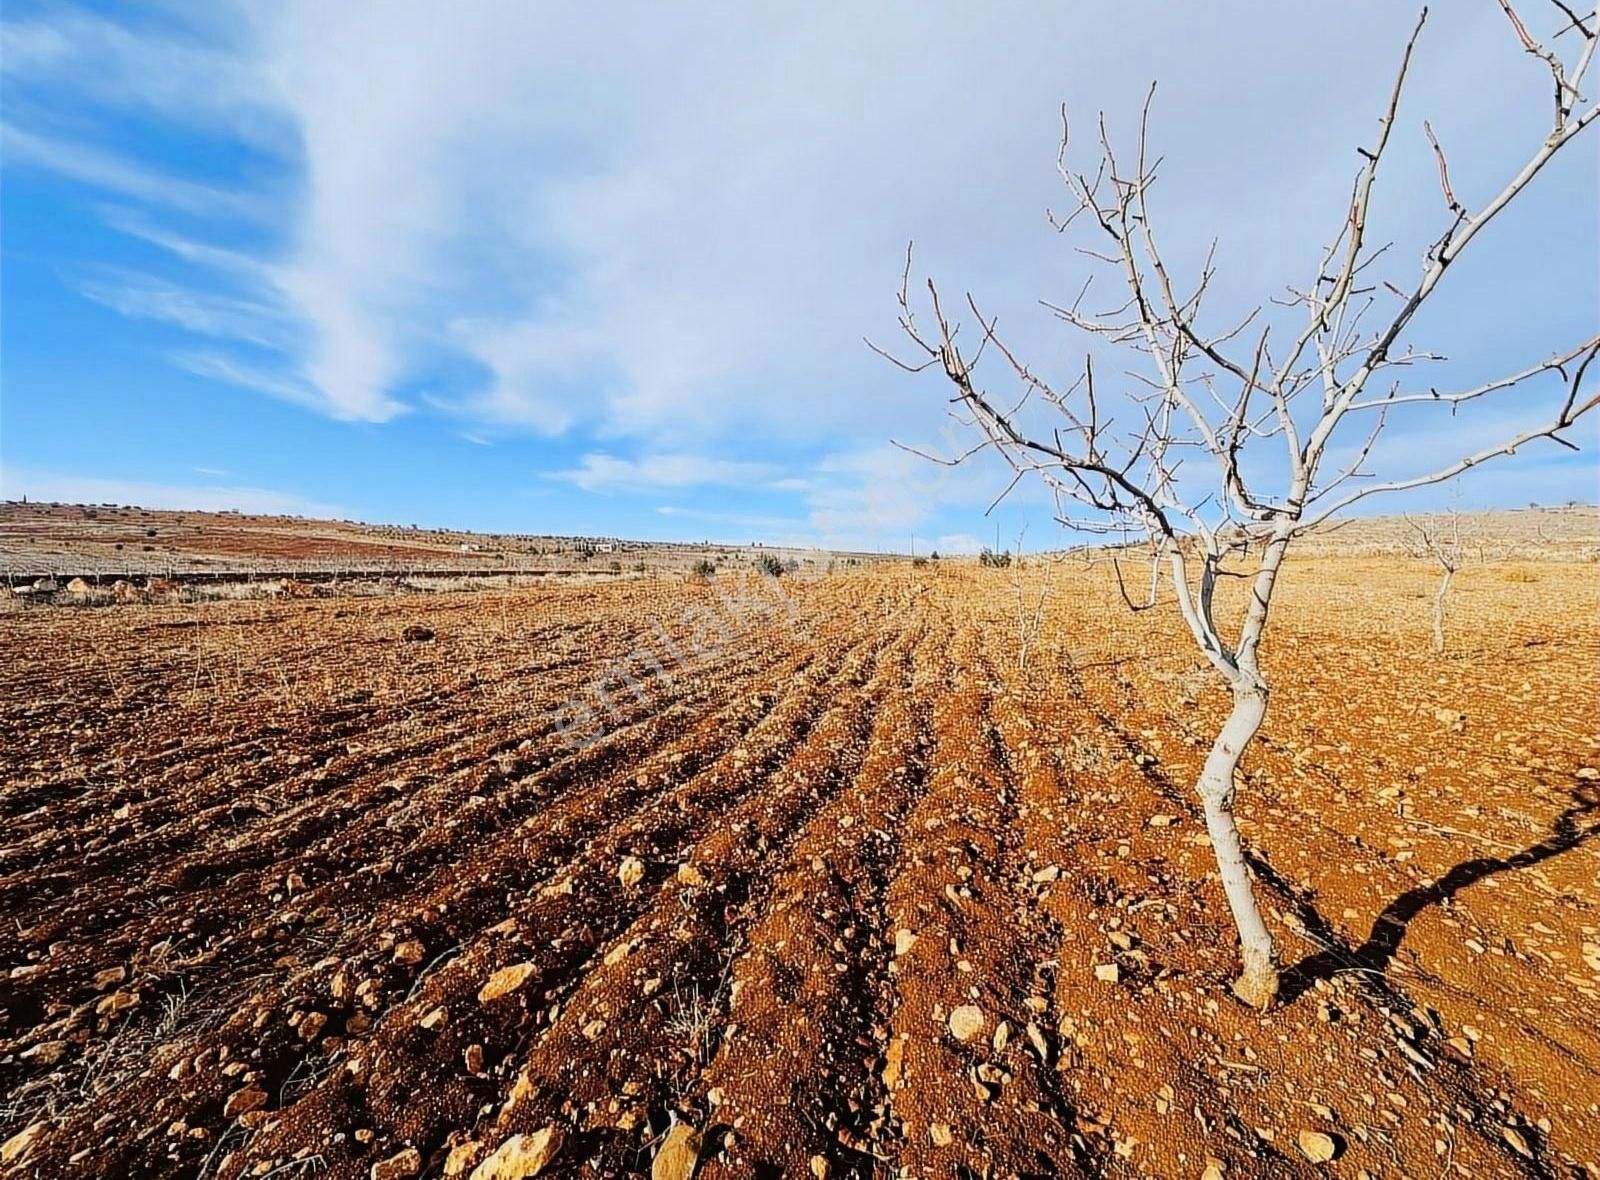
column 370, row 887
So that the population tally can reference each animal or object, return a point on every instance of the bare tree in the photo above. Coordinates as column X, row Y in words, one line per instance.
column 1118, row 466
column 1030, row 615
column 1439, row 540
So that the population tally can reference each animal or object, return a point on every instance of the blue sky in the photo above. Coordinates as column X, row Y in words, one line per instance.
column 555, row 269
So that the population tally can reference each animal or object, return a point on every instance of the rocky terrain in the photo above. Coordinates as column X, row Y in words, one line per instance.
column 815, row 878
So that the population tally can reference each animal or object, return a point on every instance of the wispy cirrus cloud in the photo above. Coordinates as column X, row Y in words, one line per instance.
column 206, row 313
column 662, row 233
column 598, row 471
column 111, row 172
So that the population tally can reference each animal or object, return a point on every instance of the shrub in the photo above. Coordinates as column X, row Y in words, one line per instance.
column 990, row 559
column 769, row 565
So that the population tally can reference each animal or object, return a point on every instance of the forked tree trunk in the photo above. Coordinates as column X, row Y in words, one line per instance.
column 1438, row 610
column 1257, row 984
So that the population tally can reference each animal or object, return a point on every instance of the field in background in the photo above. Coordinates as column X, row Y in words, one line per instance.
column 106, row 542
column 302, row 887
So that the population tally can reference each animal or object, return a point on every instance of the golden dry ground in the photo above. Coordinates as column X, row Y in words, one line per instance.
column 843, row 888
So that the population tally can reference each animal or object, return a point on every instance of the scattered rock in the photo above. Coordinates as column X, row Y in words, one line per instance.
column 966, row 1022
column 1317, row 1147
column 940, row 1134
column 243, row 1101
column 1107, row 973
column 461, row 1157
column 1036, row 1039
column 505, row 981
column 521, row 1156
column 678, row 1154
column 398, row 1167
column 417, row 633
column 410, row 952
column 690, row 875
column 893, row 1063
column 904, row 940
column 110, row 977
column 819, row 1167
column 45, row 1052
column 630, row 872
column 311, row 1026
column 1517, row 1142
column 14, row 1149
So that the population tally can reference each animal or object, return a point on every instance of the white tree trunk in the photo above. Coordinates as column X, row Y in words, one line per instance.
column 1257, row 984
column 1438, row 610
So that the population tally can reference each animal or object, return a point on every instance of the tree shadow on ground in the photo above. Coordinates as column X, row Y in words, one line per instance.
column 1389, row 928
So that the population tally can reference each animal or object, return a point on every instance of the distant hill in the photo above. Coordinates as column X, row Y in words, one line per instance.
column 47, row 539
column 1569, row 533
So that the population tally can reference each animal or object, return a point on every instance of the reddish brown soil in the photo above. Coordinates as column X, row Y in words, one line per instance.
column 259, row 861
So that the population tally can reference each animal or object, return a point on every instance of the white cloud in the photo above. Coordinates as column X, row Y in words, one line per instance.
column 159, row 71
column 66, row 488
column 601, row 472
column 957, row 544
column 112, row 173
column 767, row 525
column 207, row 313
column 218, row 367
column 669, row 227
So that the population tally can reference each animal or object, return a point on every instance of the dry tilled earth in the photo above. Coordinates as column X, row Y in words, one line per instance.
column 425, row 887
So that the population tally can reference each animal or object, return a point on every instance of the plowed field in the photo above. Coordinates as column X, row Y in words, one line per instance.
column 368, row 887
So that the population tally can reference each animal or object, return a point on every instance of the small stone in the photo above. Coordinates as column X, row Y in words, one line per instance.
column 690, row 875
column 14, row 1149
column 45, row 1052
column 904, row 940
column 521, row 1156
column 434, row 1019
column 940, row 1134
column 116, row 1002
column 243, row 1101
column 1213, row 1170
column 505, row 981
column 1517, row 1142
column 618, row 953
column 678, row 1155
column 1316, row 1147
column 409, row 952
column 397, row 1167
column 630, row 872
column 110, row 977
column 819, row 1167
column 966, row 1022
column 462, row 1157
column 1107, row 973
column 1047, row 874
column 310, row 1026
column 893, row 1063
